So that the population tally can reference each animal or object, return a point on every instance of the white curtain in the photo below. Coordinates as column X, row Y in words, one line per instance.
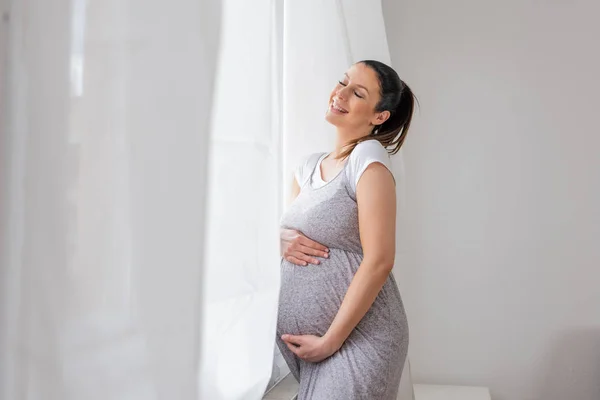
column 104, row 151
column 244, row 206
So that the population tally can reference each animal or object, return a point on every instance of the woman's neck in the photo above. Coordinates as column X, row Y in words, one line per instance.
column 343, row 137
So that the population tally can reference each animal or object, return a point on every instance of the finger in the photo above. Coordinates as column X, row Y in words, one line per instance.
column 305, row 258
column 296, row 261
column 311, row 243
column 294, row 349
column 313, row 252
column 297, row 340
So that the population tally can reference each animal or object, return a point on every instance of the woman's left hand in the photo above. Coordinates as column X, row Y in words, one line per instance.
column 310, row 348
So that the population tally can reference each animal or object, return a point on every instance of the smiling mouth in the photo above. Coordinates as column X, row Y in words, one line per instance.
column 336, row 107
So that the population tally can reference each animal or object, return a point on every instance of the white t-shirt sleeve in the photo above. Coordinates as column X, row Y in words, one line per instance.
column 299, row 173
column 363, row 155
column 306, row 167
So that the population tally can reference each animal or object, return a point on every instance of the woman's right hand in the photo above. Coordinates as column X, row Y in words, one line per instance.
column 300, row 250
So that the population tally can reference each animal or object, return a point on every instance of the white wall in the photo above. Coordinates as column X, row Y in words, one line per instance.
column 503, row 184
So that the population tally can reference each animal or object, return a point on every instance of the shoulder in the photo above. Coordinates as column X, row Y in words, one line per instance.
column 363, row 155
column 370, row 150
column 366, row 153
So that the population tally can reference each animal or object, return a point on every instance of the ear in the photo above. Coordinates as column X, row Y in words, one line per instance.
column 381, row 117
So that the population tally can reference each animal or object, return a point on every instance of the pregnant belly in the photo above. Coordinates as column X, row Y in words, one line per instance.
column 310, row 296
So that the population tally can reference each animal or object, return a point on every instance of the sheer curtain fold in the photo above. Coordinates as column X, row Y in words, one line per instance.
column 244, row 203
column 104, row 158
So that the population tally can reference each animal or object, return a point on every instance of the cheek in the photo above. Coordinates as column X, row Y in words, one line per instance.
column 361, row 109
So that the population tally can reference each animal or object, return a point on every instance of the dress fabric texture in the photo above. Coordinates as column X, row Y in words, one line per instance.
column 369, row 364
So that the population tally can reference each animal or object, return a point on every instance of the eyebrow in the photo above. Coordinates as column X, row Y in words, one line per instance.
column 360, row 86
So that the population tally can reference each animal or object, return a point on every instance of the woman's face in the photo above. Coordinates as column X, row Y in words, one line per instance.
column 352, row 102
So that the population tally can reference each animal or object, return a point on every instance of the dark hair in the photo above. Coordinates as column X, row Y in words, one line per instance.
column 398, row 99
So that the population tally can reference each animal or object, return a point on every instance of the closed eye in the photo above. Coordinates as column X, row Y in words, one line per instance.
column 355, row 92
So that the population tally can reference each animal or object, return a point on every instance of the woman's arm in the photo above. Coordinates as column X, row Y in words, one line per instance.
column 376, row 198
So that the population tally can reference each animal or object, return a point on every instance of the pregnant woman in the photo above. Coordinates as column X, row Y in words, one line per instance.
column 341, row 326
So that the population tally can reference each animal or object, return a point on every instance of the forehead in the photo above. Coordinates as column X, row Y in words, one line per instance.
column 360, row 74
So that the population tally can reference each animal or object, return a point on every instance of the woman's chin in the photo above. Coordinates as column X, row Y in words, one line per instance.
column 333, row 119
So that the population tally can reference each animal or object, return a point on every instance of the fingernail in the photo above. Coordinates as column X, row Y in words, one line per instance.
column 325, row 255
column 316, row 262
column 304, row 264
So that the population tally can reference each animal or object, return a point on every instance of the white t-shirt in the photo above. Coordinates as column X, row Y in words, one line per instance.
column 363, row 155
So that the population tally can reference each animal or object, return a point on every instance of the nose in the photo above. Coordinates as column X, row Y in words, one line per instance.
column 341, row 93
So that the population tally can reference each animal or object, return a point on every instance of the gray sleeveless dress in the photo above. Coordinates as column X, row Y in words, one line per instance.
column 369, row 364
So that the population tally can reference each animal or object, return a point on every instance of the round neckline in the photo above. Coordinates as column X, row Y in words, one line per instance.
column 318, row 168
